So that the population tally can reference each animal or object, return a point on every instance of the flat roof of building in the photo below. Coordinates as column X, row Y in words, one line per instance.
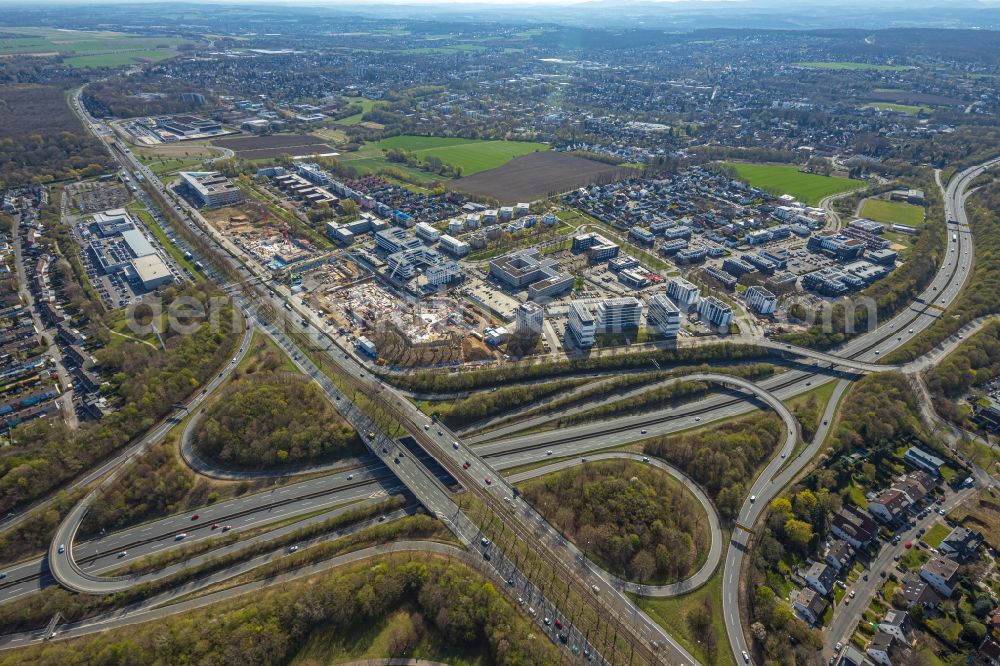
column 137, row 243
column 150, row 268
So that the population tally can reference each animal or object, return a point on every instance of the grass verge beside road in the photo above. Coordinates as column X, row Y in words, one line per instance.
column 695, row 620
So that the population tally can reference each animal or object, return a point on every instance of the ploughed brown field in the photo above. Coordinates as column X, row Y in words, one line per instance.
column 538, row 175
column 256, row 147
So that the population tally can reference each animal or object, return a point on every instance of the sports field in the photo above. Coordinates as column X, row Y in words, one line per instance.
column 893, row 212
column 908, row 109
column 471, row 155
column 832, row 64
column 809, row 188
column 89, row 49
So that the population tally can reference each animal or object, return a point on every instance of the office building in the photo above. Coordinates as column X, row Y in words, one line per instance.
column 528, row 319
column 633, row 278
column 454, row 246
column 151, row 271
column 663, row 315
column 582, row 324
column 715, row 312
column 761, row 301
column 210, row 189
column 597, row 247
column 619, row 314
column 527, row 268
column 682, row 292
column 113, row 222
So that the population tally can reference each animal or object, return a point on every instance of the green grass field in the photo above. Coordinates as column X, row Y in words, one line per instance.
column 91, row 49
column 365, row 104
column 471, row 155
column 368, row 165
column 809, row 188
column 671, row 614
column 893, row 212
column 908, row 109
column 832, row 64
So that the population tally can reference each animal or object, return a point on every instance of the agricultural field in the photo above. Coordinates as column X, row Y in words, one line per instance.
column 273, row 145
column 470, row 155
column 908, row 109
column 893, row 212
column 809, row 188
column 831, row 64
column 90, row 49
column 538, row 175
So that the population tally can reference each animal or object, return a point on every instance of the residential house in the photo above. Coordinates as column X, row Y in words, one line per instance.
column 880, row 648
column 961, row 544
column 942, row 574
column 889, row 504
column 989, row 652
column 924, row 460
column 917, row 485
column 839, row 554
column 896, row 623
column 852, row 656
column 809, row 605
column 820, row 577
column 916, row 591
column 855, row 526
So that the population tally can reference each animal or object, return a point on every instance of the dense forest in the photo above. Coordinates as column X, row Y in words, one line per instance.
column 273, row 418
column 272, row 626
column 41, row 140
column 723, row 458
column 117, row 96
column 880, row 413
column 975, row 362
column 145, row 380
column 634, row 519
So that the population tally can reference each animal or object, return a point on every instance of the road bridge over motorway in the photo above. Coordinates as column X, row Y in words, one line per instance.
column 825, row 357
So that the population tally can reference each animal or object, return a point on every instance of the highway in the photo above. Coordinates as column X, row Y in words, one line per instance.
column 861, row 353
column 944, row 288
column 413, row 474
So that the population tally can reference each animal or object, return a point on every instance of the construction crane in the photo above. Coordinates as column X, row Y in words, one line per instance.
column 263, row 213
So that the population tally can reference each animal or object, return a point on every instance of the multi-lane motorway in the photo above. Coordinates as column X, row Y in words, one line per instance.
column 862, row 354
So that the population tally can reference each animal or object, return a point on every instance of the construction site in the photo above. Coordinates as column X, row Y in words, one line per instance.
column 405, row 332
column 268, row 242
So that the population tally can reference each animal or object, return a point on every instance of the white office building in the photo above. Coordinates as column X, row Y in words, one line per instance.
column 619, row 314
column 457, row 247
column 210, row 189
column 715, row 312
column 663, row 315
column 582, row 324
column 761, row 301
column 427, row 232
column 529, row 318
column 683, row 293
